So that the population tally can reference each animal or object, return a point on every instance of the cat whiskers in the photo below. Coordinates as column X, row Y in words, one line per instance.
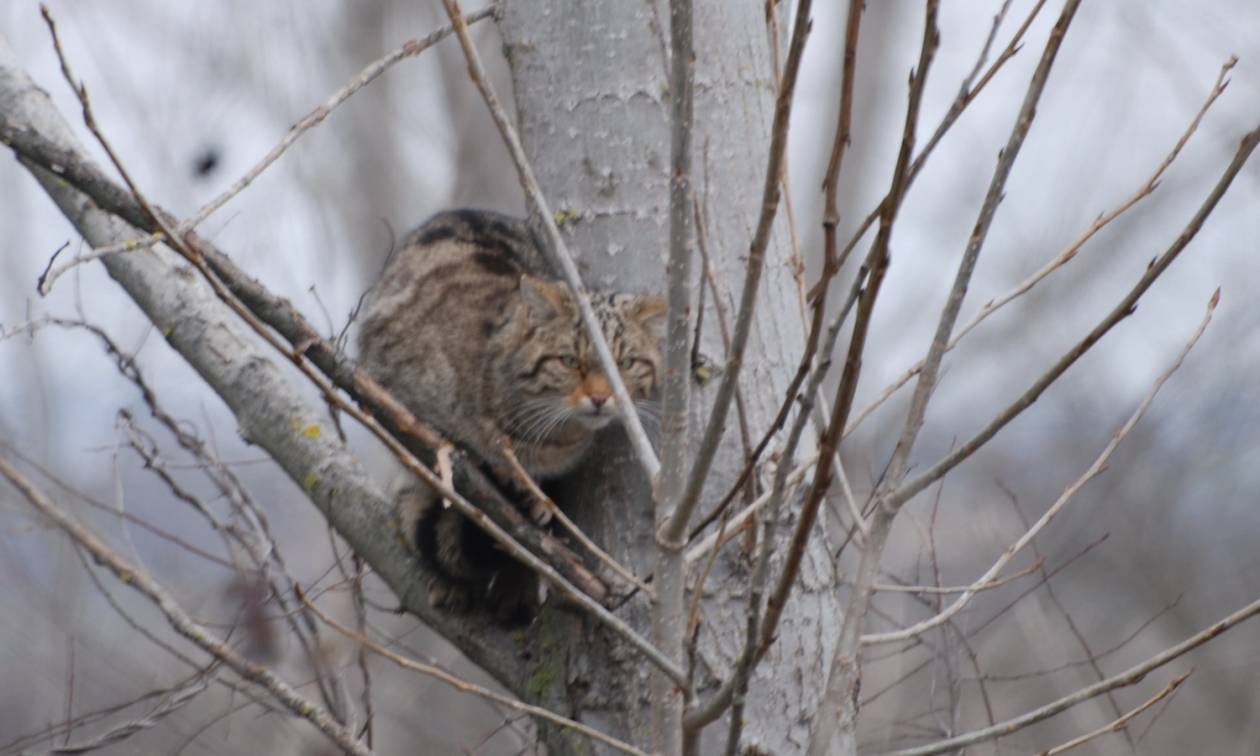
column 649, row 412
column 536, row 419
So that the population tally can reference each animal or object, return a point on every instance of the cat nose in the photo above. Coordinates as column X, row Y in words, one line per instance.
column 598, row 391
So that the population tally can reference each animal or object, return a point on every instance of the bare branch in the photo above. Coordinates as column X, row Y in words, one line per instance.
column 1067, row 255
column 1121, row 723
column 1094, row 470
column 549, row 507
column 1126, row 307
column 1130, row 676
column 183, row 624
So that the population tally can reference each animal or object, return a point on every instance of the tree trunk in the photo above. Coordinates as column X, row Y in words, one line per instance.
column 592, row 100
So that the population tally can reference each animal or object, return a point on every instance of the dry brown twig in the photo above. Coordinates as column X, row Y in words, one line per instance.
column 463, row 685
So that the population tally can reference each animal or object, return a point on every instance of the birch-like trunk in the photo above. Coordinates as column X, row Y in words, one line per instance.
column 592, row 98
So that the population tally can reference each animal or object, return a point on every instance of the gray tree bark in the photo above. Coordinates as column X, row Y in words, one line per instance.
column 590, row 82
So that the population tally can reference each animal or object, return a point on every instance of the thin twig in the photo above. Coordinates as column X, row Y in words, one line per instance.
column 1094, row 470
column 1121, row 723
column 1065, row 256
column 525, row 479
column 179, row 620
column 1127, row 306
column 464, row 686
column 771, row 194
column 1131, row 676
column 557, row 249
column 409, row 49
column 944, row 590
column 175, row 700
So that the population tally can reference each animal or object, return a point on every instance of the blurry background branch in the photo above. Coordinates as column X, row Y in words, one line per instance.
column 143, row 582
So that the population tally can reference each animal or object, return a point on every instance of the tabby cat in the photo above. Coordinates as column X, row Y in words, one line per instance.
column 470, row 330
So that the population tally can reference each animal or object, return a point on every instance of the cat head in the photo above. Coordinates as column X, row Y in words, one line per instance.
column 558, row 379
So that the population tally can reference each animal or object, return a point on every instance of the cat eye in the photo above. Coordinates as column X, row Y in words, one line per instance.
column 568, row 360
column 625, row 363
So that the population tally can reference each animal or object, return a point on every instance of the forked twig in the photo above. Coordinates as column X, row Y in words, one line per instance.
column 1122, row 722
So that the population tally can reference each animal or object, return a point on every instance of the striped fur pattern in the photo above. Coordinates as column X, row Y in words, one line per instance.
column 470, row 330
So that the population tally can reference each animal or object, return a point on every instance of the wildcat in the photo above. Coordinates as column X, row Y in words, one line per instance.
column 469, row 328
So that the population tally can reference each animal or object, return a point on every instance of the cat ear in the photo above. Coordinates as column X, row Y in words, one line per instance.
column 544, row 298
column 649, row 312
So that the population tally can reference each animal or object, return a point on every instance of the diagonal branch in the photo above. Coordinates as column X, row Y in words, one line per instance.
column 1125, row 308
column 1068, row 253
column 269, row 412
column 1130, row 676
column 144, row 583
column 1099, row 465
column 1121, row 722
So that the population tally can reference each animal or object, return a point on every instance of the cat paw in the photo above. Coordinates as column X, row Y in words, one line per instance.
column 443, row 594
column 514, row 597
column 540, row 512
column 412, row 502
